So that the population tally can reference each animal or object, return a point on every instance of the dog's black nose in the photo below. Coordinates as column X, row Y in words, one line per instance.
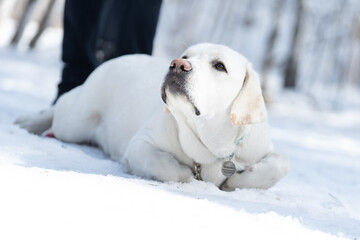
column 180, row 65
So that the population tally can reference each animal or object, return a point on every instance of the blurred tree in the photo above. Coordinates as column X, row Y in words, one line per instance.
column 268, row 60
column 291, row 67
column 354, row 65
column 43, row 23
column 23, row 20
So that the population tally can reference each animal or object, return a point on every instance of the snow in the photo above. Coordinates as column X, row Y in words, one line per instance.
column 55, row 190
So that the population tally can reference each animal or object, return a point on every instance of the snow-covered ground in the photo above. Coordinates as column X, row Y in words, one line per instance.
column 54, row 190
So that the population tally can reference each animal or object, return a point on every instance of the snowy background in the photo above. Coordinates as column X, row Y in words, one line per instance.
column 54, row 190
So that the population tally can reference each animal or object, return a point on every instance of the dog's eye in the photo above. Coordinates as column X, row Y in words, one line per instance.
column 184, row 57
column 220, row 66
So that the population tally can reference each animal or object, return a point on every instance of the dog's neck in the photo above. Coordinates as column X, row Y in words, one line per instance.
column 219, row 135
column 207, row 140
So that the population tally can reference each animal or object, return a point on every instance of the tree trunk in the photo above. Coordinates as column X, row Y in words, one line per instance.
column 291, row 63
column 354, row 70
column 269, row 58
column 43, row 23
column 22, row 22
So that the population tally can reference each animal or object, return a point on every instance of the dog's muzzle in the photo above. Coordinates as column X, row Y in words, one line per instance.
column 176, row 78
column 176, row 81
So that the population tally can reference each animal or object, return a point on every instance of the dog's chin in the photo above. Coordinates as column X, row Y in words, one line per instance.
column 179, row 101
column 175, row 85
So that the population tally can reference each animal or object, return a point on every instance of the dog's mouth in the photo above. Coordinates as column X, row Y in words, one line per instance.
column 176, row 85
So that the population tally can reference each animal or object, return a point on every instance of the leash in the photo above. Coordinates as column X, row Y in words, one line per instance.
column 228, row 168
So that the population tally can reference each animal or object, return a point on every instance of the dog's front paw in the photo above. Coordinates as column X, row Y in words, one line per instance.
column 185, row 175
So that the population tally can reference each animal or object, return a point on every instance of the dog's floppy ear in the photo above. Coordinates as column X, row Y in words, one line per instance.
column 249, row 107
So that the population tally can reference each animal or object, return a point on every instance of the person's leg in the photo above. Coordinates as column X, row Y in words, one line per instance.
column 101, row 30
column 80, row 30
column 138, row 25
column 127, row 27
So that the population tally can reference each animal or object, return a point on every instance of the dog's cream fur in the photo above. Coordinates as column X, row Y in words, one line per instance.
column 119, row 108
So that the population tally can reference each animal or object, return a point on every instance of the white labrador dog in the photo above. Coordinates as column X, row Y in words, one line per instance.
column 213, row 126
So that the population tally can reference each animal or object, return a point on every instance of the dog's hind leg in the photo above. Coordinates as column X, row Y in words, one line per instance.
column 36, row 123
column 77, row 116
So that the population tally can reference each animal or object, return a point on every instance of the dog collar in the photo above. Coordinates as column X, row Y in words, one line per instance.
column 231, row 156
column 228, row 168
column 197, row 171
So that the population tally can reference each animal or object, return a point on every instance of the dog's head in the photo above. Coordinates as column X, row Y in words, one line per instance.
column 213, row 79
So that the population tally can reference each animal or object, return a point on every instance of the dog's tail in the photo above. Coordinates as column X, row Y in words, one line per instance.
column 36, row 123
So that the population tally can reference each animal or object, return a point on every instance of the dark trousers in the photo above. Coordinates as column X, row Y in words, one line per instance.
column 98, row 30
